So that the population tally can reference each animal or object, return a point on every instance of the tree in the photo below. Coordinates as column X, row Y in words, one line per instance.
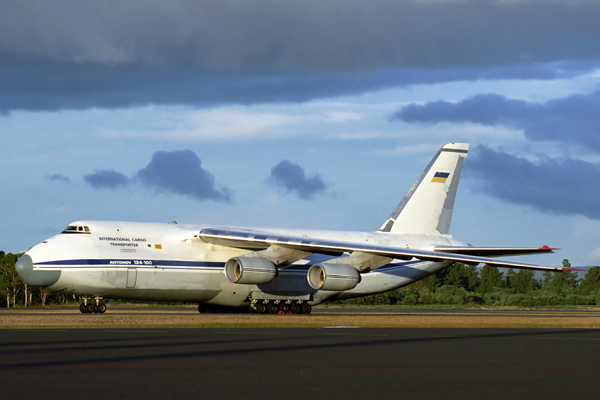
column 472, row 277
column 564, row 280
column 509, row 277
column 5, row 280
column 43, row 294
column 591, row 280
column 547, row 280
column 491, row 277
column 10, row 282
column 523, row 281
column 456, row 276
column 432, row 282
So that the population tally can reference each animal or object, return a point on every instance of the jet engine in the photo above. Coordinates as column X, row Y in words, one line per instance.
column 250, row 270
column 326, row 276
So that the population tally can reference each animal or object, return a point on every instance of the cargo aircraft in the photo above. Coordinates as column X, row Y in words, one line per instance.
column 264, row 270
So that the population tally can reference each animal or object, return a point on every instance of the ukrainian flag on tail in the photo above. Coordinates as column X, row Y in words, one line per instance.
column 440, row 177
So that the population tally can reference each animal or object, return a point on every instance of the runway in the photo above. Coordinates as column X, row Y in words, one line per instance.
column 295, row 363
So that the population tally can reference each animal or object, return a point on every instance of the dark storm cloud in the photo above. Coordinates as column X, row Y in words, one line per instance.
column 572, row 119
column 564, row 187
column 88, row 86
column 107, row 179
column 123, row 53
column 58, row 178
column 291, row 178
column 181, row 172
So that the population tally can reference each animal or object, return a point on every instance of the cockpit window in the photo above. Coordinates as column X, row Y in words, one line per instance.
column 76, row 229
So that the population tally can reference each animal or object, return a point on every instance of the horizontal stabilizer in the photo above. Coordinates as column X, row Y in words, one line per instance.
column 495, row 251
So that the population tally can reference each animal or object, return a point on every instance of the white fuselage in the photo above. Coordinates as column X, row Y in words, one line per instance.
column 168, row 262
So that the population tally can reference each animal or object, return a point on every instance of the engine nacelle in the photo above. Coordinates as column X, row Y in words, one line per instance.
column 250, row 270
column 332, row 276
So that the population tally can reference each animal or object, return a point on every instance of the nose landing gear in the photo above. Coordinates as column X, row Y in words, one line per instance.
column 92, row 307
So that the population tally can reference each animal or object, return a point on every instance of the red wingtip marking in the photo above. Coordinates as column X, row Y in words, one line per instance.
column 572, row 269
column 544, row 247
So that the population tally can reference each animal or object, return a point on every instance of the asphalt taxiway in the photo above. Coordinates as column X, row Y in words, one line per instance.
column 291, row 363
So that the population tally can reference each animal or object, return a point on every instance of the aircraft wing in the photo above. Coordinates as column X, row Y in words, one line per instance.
column 495, row 251
column 254, row 240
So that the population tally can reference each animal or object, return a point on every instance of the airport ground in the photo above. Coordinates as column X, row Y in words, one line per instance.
column 299, row 363
column 129, row 316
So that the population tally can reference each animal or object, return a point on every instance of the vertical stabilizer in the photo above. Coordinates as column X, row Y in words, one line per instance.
column 427, row 207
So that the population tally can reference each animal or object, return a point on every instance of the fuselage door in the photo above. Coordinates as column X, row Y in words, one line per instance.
column 131, row 277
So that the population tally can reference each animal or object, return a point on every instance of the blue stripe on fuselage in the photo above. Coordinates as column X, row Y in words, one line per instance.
column 134, row 263
column 190, row 264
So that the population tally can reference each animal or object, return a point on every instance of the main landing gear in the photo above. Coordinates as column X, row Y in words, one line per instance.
column 280, row 307
column 260, row 307
column 92, row 307
column 216, row 309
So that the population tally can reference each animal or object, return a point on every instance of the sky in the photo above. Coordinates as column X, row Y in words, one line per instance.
column 312, row 114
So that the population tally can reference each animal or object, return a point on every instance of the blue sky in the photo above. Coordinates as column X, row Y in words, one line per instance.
column 305, row 115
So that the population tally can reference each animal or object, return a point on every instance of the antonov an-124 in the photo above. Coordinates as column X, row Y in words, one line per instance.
column 264, row 270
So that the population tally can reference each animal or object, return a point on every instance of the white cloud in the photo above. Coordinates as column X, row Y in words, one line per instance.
column 266, row 122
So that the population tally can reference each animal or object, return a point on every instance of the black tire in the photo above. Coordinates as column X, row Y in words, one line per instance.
column 101, row 308
column 306, row 308
column 295, row 308
column 261, row 308
column 206, row 308
column 272, row 308
column 83, row 308
column 285, row 307
column 90, row 308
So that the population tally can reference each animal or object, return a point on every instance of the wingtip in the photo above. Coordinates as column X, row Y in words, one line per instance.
column 572, row 269
column 546, row 248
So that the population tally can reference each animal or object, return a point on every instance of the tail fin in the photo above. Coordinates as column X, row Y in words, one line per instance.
column 427, row 207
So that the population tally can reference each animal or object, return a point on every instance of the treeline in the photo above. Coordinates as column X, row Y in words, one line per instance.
column 459, row 284
column 488, row 286
column 13, row 291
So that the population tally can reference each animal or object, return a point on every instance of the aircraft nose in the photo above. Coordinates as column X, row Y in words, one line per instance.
column 24, row 267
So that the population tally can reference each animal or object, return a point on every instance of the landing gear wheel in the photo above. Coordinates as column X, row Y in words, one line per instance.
column 284, row 307
column 295, row 308
column 101, row 308
column 272, row 308
column 90, row 308
column 83, row 308
column 261, row 308
column 305, row 308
